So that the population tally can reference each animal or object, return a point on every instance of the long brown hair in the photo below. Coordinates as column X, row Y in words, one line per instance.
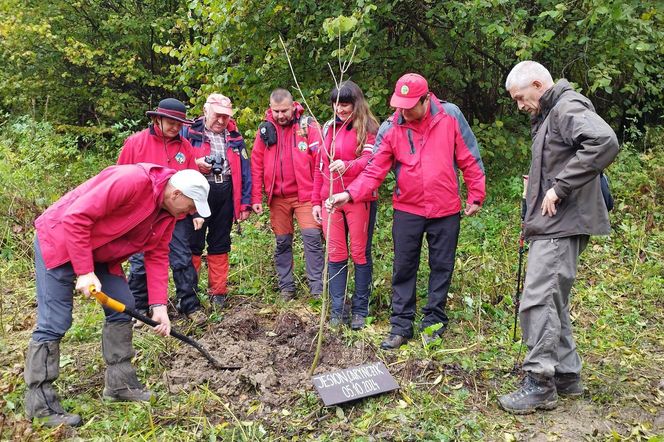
column 364, row 120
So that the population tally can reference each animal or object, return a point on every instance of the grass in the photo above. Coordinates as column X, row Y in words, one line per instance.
column 448, row 389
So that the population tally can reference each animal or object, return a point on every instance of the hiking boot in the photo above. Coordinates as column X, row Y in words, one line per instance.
column 357, row 322
column 535, row 393
column 218, row 301
column 393, row 341
column 568, row 384
column 198, row 317
column 120, row 381
column 42, row 367
column 335, row 322
column 287, row 295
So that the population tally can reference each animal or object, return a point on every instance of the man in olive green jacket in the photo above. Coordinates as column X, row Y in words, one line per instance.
column 571, row 146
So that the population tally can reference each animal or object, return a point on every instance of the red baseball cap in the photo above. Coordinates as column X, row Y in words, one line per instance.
column 408, row 90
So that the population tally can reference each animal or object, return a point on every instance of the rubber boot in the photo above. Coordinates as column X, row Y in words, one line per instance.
column 283, row 260
column 42, row 368
column 218, row 279
column 363, row 275
column 186, row 283
column 536, row 392
column 121, row 383
column 337, row 275
column 196, row 261
column 314, row 259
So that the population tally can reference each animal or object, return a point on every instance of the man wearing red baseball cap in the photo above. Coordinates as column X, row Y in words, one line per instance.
column 217, row 140
column 423, row 142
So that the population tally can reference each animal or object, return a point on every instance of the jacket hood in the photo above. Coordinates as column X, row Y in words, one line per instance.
column 299, row 110
column 159, row 175
column 551, row 97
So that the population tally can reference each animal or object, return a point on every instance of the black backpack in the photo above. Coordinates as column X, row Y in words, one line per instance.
column 606, row 191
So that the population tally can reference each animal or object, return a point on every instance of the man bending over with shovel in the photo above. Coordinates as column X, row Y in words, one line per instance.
column 81, row 241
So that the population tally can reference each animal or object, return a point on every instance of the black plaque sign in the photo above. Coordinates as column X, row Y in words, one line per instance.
column 354, row 383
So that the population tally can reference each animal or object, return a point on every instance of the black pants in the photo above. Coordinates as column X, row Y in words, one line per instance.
column 442, row 235
column 219, row 224
column 185, row 278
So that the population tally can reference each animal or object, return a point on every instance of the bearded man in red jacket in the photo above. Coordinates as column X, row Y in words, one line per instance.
column 424, row 143
column 81, row 241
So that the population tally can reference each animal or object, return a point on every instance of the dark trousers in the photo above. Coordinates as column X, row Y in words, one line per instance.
column 55, row 297
column 219, row 224
column 442, row 235
column 185, row 277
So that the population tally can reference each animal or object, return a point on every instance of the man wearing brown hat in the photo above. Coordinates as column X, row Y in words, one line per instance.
column 423, row 143
column 226, row 165
column 162, row 144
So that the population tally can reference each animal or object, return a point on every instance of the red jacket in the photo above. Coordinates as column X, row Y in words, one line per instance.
column 104, row 220
column 147, row 146
column 424, row 156
column 346, row 150
column 303, row 144
column 236, row 155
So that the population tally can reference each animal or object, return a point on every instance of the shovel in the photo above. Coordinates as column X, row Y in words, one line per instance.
column 119, row 307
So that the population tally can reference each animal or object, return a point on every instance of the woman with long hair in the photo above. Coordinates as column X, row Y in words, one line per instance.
column 347, row 148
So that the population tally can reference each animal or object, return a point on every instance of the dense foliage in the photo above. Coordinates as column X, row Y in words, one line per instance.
column 95, row 61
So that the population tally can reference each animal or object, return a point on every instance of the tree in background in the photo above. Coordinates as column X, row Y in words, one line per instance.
column 610, row 49
column 100, row 61
column 86, row 60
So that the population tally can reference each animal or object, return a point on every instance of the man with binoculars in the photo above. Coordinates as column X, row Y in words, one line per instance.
column 222, row 156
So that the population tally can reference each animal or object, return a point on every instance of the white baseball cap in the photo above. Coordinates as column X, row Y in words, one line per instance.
column 195, row 186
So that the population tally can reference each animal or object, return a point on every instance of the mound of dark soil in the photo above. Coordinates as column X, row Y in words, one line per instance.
column 275, row 354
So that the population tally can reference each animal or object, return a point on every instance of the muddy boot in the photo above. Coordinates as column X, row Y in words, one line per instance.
column 218, row 302
column 283, row 260
column 568, row 384
column 536, row 392
column 357, row 322
column 287, row 295
column 121, row 381
column 393, row 341
column 42, row 367
column 314, row 259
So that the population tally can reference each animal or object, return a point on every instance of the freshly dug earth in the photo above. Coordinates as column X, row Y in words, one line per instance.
column 275, row 352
